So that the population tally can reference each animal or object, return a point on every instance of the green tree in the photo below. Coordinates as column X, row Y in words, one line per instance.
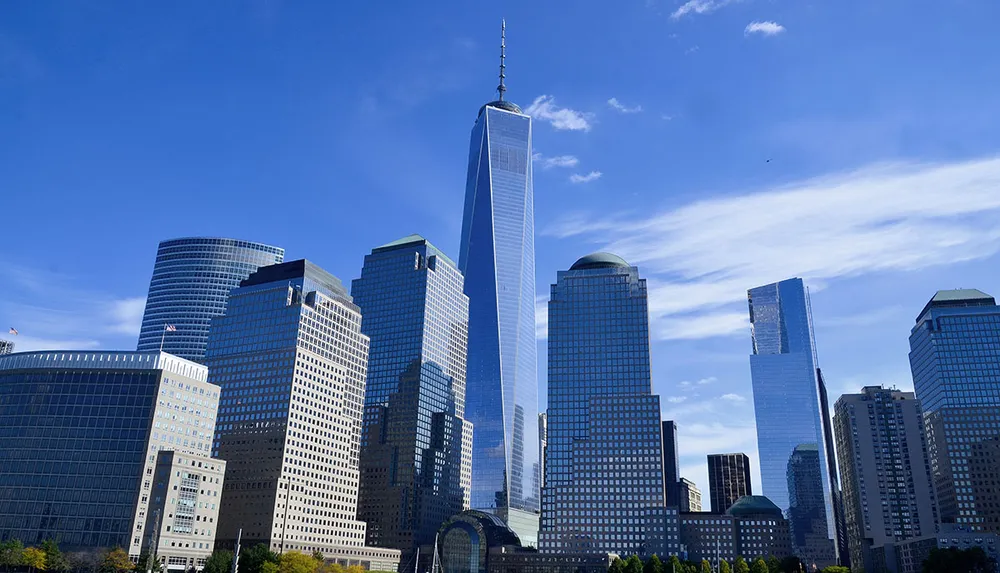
column 759, row 566
column 296, row 562
column 269, row 567
column 331, row 568
column 836, row 569
column 54, row 558
column 955, row 560
column 11, row 553
column 653, row 565
column 791, row 564
column 673, row 566
column 773, row 565
column 318, row 556
column 355, row 569
column 253, row 559
column 724, row 567
column 706, row 567
column 220, row 561
column 143, row 564
column 617, row 566
column 740, row 565
column 633, row 564
column 116, row 561
column 34, row 559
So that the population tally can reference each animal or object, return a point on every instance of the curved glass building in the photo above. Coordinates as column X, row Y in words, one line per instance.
column 191, row 281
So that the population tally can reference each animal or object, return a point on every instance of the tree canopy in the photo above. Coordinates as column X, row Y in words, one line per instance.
column 220, row 561
column 759, row 566
column 740, row 565
column 955, row 560
column 296, row 562
column 116, row 561
column 33, row 558
column 253, row 559
column 11, row 553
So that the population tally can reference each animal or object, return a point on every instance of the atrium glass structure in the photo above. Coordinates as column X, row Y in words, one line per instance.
column 603, row 464
column 498, row 261
column 191, row 281
column 79, row 442
column 790, row 417
column 416, row 449
column 955, row 361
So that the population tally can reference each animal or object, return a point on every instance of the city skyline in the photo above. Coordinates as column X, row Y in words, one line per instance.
column 203, row 144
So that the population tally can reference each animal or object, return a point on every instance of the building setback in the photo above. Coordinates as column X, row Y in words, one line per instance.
column 416, row 448
column 497, row 259
column 955, row 361
column 291, row 360
column 192, row 277
column 602, row 470
column 689, row 496
column 97, row 426
column 728, row 479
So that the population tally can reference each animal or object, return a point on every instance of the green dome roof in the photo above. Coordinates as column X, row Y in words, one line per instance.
column 754, row 505
column 599, row 261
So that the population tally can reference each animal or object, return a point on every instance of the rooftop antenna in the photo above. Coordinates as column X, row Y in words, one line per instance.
column 503, row 53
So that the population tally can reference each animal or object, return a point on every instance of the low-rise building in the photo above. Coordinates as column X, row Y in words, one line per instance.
column 752, row 527
column 908, row 556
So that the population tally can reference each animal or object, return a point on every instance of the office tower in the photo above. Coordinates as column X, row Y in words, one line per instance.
column 954, row 353
column 498, row 261
column 191, row 281
column 791, row 432
column 416, row 449
column 83, row 439
column 752, row 527
column 291, row 361
column 839, row 523
column 6, row 347
column 886, row 473
column 603, row 468
column 671, row 464
column 543, row 433
column 728, row 479
column 690, row 496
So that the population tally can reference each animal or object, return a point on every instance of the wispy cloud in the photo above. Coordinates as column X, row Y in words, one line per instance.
column 619, row 106
column 733, row 397
column 699, row 7
column 691, row 50
column 592, row 176
column 763, row 28
column 541, row 317
column 544, row 108
column 557, row 161
column 703, row 256
column 701, row 382
column 676, row 399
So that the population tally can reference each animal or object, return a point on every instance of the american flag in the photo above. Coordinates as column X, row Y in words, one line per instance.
column 170, row 328
column 13, row 331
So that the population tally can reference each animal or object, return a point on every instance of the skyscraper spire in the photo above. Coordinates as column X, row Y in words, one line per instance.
column 503, row 49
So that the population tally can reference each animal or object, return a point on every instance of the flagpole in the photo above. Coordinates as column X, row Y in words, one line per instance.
column 163, row 335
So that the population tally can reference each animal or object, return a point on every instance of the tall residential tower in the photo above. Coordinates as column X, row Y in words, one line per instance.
column 497, row 259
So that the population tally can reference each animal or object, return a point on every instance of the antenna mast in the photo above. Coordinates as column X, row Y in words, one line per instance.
column 503, row 54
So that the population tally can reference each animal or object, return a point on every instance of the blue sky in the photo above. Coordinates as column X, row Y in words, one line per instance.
column 717, row 144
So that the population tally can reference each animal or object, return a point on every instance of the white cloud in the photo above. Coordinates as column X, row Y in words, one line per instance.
column 619, row 106
column 557, row 161
column 126, row 315
column 31, row 343
column 666, row 117
column 592, row 176
column 699, row 7
column 700, row 258
column 541, row 317
column 764, row 28
column 733, row 397
column 676, row 399
column 691, row 50
column 544, row 108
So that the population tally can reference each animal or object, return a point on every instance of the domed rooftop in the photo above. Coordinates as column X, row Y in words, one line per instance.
column 754, row 505
column 501, row 104
column 599, row 261
column 492, row 529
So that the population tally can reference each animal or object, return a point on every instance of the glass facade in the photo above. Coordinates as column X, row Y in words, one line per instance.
column 728, row 479
column 602, row 468
column 671, row 465
column 79, row 441
column 416, row 448
column 497, row 260
column 955, row 361
column 291, row 361
column 191, row 281
column 6, row 347
column 789, row 415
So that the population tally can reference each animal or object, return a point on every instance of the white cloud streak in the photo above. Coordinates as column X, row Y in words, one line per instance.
column 557, row 161
column 592, row 176
column 622, row 108
column 544, row 108
column 763, row 28
column 700, row 258
column 699, row 7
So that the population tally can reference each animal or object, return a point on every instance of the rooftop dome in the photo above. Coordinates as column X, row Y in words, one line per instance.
column 599, row 261
column 501, row 104
column 754, row 505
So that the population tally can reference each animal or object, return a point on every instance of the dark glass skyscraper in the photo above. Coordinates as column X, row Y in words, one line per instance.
column 604, row 470
column 191, row 281
column 498, row 261
column 955, row 361
column 671, row 465
column 791, row 433
column 728, row 479
column 416, row 449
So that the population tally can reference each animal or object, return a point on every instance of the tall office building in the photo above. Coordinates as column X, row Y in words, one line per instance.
column 84, row 439
column 498, row 261
column 690, row 496
column 671, row 465
column 602, row 469
column 955, row 361
column 290, row 358
column 416, row 449
column 191, row 281
column 728, row 479
column 543, row 436
column 6, row 347
column 791, row 433
column 886, row 473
